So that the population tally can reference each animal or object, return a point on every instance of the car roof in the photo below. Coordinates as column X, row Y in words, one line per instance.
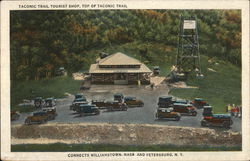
column 170, row 109
column 221, row 115
column 79, row 102
column 49, row 98
column 198, row 99
column 48, row 108
column 130, row 97
column 38, row 112
column 180, row 101
column 78, row 99
column 164, row 97
column 86, row 105
column 182, row 104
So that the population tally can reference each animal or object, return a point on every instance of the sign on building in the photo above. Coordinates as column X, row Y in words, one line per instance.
column 189, row 24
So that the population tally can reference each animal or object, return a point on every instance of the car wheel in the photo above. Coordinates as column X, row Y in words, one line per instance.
column 204, row 123
column 27, row 122
column 37, row 104
column 97, row 112
column 194, row 113
column 18, row 116
column 142, row 105
column 226, row 124
column 177, row 118
column 156, row 115
column 231, row 122
column 125, row 108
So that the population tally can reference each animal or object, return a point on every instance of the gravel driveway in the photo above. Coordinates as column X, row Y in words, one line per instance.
column 140, row 115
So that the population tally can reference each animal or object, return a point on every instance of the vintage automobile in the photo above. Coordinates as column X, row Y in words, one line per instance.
column 78, row 96
column 181, row 101
column 207, row 111
column 37, row 117
column 99, row 103
column 116, row 106
column 39, row 102
column 103, row 55
column 50, row 102
column 85, row 109
column 165, row 101
column 199, row 103
column 156, row 70
column 167, row 113
column 14, row 115
column 187, row 109
column 51, row 111
column 133, row 102
column 76, row 104
column 80, row 100
column 222, row 120
column 60, row 71
column 118, row 97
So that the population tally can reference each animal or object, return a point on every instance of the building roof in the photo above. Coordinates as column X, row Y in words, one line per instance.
column 94, row 68
column 119, row 59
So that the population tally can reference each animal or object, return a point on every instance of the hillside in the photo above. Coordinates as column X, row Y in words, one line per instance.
column 43, row 41
column 220, row 86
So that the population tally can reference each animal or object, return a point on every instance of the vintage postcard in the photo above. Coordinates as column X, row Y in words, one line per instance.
column 125, row 80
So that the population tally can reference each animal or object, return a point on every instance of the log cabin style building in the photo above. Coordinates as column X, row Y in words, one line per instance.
column 119, row 68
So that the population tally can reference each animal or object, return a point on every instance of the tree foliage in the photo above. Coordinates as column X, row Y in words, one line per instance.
column 42, row 41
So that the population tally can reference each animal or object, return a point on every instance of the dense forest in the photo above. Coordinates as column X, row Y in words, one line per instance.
column 43, row 41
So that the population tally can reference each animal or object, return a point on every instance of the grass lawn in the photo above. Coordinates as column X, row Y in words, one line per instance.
column 55, row 87
column 59, row 147
column 219, row 87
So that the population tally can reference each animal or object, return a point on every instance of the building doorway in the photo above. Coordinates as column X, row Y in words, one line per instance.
column 121, row 78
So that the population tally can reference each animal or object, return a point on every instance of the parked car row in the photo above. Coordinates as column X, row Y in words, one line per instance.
column 170, row 108
column 120, row 103
column 83, row 107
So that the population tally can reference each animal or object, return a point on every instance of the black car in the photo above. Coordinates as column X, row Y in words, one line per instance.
column 207, row 111
column 118, row 97
column 50, row 102
column 85, row 109
column 80, row 98
column 165, row 101
column 156, row 70
column 39, row 102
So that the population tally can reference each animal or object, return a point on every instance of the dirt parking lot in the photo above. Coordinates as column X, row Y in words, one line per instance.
column 137, row 115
